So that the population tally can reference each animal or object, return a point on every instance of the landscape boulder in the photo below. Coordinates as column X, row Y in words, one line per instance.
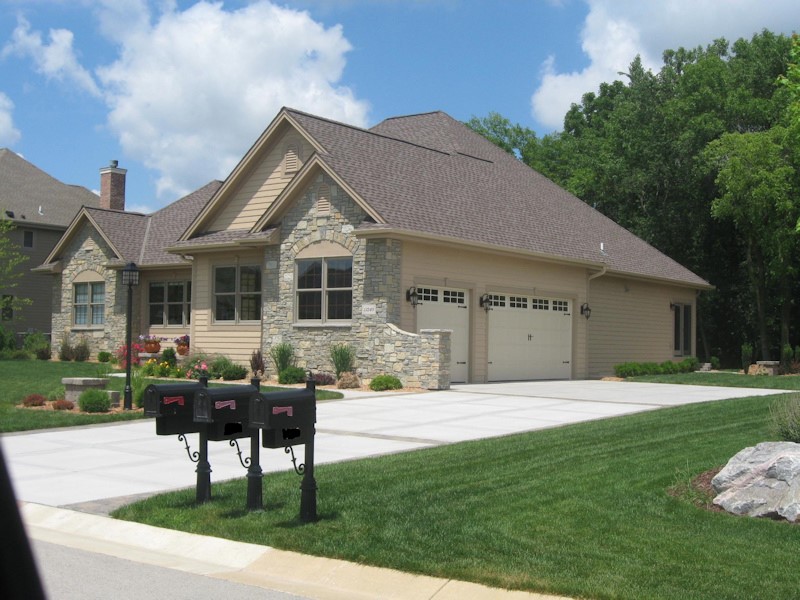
column 761, row 481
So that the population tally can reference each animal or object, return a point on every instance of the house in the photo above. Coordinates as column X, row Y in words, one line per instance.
column 40, row 207
column 435, row 254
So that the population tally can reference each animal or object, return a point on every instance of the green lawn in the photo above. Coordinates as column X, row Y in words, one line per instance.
column 788, row 382
column 21, row 378
column 582, row 511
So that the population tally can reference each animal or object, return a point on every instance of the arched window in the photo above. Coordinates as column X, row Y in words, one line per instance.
column 89, row 299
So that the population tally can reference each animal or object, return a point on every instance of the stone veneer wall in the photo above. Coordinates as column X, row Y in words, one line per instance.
column 87, row 251
column 418, row 360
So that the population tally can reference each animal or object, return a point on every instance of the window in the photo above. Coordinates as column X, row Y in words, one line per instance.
column 518, row 302
column 682, row 319
column 497, row 300
column 540, row 304
column 89, row 306
column 170, row 303
column 27, row 239
column 325, row 289
column 7, row 308
column 237, row 293
column 561, row 305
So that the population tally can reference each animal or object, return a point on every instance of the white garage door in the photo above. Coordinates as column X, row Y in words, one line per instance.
column 529, row 338
column 445, row 308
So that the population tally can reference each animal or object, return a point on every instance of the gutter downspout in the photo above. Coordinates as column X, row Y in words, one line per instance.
column 588, row 282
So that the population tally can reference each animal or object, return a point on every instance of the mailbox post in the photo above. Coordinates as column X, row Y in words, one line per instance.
column 255, row 494
column 286, row 419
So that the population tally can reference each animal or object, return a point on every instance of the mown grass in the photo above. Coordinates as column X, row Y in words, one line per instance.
column 785, row 382
column 21, row 378
column 581, row 511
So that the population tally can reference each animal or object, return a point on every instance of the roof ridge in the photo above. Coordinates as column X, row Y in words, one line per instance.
column 114, row 210
column 368, row 131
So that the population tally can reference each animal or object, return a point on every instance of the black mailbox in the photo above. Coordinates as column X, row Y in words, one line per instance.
column 173, row 406
column 285, row 418
column 226, row 409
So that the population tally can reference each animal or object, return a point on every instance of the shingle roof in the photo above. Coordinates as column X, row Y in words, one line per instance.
column 432, row 175
column 24, row 188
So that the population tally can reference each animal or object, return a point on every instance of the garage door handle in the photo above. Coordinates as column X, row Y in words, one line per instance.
column 564, row 362
column 462, row 306
column 461, row 362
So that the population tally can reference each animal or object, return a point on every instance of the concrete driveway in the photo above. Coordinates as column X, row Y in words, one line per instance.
column 100, row 467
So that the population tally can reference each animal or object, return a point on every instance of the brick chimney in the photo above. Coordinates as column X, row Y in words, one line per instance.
column 112, row 187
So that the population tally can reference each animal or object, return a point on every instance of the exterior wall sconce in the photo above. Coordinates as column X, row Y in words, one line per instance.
column 485, row 302
column 412, row 296
column 585, row 310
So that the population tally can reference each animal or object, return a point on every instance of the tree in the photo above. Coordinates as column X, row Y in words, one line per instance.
column 757, row 191
column 10, row 259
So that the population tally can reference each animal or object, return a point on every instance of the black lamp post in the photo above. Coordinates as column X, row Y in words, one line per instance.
column 130, row 277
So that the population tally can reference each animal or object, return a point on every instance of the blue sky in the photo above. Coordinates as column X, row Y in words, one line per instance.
column 178, row 90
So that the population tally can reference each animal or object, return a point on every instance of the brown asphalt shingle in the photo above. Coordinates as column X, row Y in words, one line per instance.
column 25, row 188
column 431, row 174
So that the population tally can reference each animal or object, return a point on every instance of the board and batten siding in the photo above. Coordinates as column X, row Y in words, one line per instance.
column 479, row 273
column 237, row 341
column 632, row 321
column 259, row 188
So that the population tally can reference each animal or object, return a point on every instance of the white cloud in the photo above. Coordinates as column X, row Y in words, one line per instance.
column 9, row 135
column 55, row 59
column 615, row 31
column 191, row 91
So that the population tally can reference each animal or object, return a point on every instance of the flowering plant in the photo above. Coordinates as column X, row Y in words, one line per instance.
column 146, row 337
column 197, row 369
column 122, row 354
column 182, row 340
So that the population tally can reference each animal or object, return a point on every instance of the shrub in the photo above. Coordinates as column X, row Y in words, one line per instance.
column 63, row 404
column 715, row 364
column 17, row 354
column 635, row 369
column 34, row 400
column 689, row 364
column 36, row 341
column 786, row 419
column 8, row 339
column 197, row 368
column 282, row 356
column 747, row 356
column 218, row 365
column 257, row 364
column 103, row 356
column 233, row 372
column 66, row 352
column 323, row 379
column 138, row 386
column 291, row 375
column 44, row 353
column 82, row 351
column 122, row 354
column 169, row 356
column 94, row 401
column 348, row 380
column 150, row 367
column 385, row 382
column 343, row 357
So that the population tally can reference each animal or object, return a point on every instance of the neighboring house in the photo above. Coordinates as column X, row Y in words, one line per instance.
column 40, row 208
column 435, row 254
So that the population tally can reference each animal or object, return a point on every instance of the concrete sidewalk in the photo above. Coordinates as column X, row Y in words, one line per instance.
column 97, row 468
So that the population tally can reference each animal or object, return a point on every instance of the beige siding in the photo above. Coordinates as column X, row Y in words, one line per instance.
column 234, row 340
column 632, row 321
column 480, row 273
column 265, row 181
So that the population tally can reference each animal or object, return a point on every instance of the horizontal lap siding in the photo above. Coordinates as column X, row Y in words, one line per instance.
column 480, row 273
column 262, row 185
column 236, row 341
column 631, row 321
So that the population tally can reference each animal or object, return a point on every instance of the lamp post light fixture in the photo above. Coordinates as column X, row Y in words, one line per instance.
column 130, row 277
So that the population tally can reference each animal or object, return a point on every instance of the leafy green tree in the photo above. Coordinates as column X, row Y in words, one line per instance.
column 10, row 259
column 758, row 192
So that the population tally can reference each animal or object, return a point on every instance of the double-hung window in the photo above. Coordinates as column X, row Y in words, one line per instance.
column 170, row 303
column 237, row 293
column 325, row 289
column 682, row 323
column 89, row 303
